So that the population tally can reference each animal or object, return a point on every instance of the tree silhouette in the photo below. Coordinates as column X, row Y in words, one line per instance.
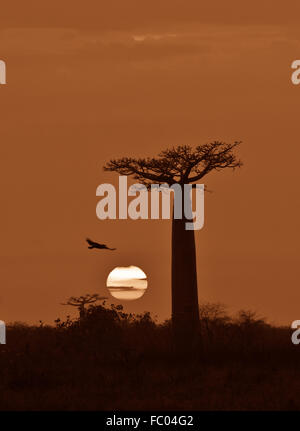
column 81, row 301
column 181, row 165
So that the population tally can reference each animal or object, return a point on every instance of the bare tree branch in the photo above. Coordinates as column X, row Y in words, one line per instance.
column 82, row 300
column 181, row 164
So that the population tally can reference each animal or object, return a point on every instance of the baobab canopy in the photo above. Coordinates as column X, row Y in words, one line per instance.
column 182, row 164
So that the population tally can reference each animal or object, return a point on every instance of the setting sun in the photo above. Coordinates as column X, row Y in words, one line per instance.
column 127, row 283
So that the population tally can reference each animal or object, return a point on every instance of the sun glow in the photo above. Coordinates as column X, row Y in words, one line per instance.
column 127, row 283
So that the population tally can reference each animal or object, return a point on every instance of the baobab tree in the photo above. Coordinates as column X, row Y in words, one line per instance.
column 181, row 165
column 81, row 301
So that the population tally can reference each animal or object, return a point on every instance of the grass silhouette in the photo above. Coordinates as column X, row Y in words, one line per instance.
column 113, row 360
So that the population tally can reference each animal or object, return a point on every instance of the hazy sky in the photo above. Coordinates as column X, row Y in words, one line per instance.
column 107, row 79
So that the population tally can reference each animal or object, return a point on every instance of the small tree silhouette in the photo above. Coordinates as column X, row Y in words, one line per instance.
column 181, row 165
column 81, row 301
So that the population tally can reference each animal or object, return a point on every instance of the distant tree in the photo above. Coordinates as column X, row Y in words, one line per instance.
column 213, row 312
column 248, row 318
column 81, row 301
column 181, row 165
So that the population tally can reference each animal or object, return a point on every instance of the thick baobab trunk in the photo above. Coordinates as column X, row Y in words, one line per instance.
column 185, row 308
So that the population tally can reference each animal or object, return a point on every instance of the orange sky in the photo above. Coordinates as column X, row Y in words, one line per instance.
column 105, row 79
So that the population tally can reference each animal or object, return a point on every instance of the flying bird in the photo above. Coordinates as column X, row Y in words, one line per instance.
column 93, row 244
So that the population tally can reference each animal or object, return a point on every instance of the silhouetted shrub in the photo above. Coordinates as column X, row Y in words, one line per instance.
column 110, row 359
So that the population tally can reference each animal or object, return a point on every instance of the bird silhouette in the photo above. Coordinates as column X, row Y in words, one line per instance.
column 93, row 244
